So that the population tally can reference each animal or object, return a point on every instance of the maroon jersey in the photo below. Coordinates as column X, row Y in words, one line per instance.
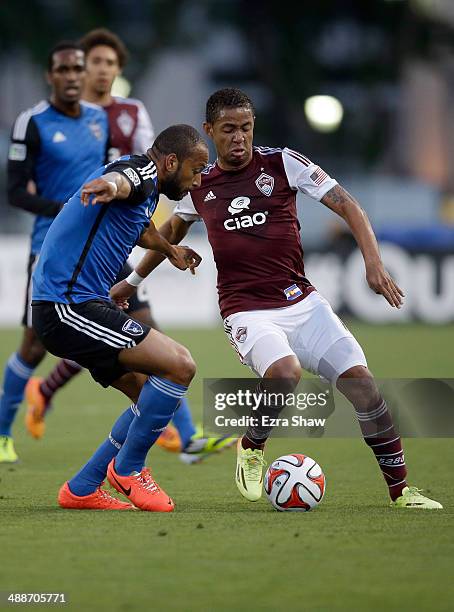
column 131, row 131
column 253, row 229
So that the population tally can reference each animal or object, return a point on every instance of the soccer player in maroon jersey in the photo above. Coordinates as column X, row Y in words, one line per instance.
column 276, row 320
column 131, row 132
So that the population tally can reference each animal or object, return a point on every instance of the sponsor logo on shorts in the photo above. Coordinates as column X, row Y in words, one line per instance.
column 133, row 328
column 292, row 292
column 265, row 183
column 241, row 334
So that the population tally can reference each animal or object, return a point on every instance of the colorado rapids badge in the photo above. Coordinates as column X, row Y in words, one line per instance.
column 241, row 334
column 265, row 184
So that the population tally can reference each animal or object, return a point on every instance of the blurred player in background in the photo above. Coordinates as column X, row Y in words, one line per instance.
column 131, row 132
column 275, row 319
column 76, row 319
column 54, row 146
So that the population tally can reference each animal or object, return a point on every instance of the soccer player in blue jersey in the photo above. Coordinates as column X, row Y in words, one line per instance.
column 75, row 318
column 131, row 131
column 54, row 147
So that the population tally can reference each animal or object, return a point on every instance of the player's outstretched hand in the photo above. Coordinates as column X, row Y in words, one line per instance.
column 183, row 258
column 121, row 292
column 382, row 283
column 99, row 190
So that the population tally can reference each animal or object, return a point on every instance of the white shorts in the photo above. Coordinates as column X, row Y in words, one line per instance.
column 309, row 329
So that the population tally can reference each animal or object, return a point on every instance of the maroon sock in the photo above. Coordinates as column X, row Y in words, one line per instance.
column 379, row 434
column 252, row 443
column 60, row 375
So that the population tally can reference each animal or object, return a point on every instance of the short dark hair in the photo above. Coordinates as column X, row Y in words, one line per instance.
column 229, row 97
column 61, row 46
column 179, row 139
column 103, row 36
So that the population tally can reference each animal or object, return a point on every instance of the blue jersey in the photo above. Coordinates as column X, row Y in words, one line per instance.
column 86, row 247
column 57, row 152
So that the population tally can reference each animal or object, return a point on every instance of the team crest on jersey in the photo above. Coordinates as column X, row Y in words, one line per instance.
column 126, row 123
column 132, row 327
column 265, row 183
column 96, row 130
column 241, row 334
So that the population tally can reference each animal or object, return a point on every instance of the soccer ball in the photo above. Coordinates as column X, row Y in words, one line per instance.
column 294, row 482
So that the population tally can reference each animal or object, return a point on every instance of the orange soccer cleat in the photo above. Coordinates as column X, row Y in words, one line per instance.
column 36, row 408
column 99, row 500
column 141, row 489
column 170, row 439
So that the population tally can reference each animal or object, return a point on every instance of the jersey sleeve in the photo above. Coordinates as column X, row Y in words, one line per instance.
column 140, row 172
column 305, row 176
column 144, row 133
column 23, row 152
column 185, row 210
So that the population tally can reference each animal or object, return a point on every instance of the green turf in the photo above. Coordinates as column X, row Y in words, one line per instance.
column 217, row 551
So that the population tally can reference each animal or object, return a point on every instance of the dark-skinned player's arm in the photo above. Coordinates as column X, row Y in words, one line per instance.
column 173, row 230
column 115, row 186
column 108, row 187
column 181, row 257
column 21, row 187
column 378, row 279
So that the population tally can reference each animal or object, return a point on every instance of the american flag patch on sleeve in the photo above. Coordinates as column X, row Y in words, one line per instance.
column 318, row 176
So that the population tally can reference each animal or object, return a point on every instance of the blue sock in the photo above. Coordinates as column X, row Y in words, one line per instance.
column 17, row 373
column 88, row 479
column 155, row 407
column 182, row 419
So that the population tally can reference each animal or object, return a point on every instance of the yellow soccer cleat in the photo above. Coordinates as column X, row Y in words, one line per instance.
column 411, row 498
column 249, row 472
column 200, row 448
column 7, row 452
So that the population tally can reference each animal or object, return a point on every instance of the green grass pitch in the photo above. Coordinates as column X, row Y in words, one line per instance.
column 217, row 551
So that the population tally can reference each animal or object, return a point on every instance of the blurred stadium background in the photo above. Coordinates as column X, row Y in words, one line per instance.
column 385, row 130
column 384, row 126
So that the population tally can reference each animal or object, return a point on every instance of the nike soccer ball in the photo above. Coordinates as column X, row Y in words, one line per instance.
column 294, row 482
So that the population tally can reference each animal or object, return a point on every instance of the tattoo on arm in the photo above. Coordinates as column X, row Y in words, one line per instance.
column 337, row 199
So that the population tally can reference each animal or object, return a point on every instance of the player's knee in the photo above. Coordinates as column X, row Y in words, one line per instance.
column 287, row 369
column 359, row 386
column 186, row 367
column 359, row 372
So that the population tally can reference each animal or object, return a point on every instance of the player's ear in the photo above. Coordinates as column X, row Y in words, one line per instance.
column 208, row 129
column 171, row 162
column 48, row 78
